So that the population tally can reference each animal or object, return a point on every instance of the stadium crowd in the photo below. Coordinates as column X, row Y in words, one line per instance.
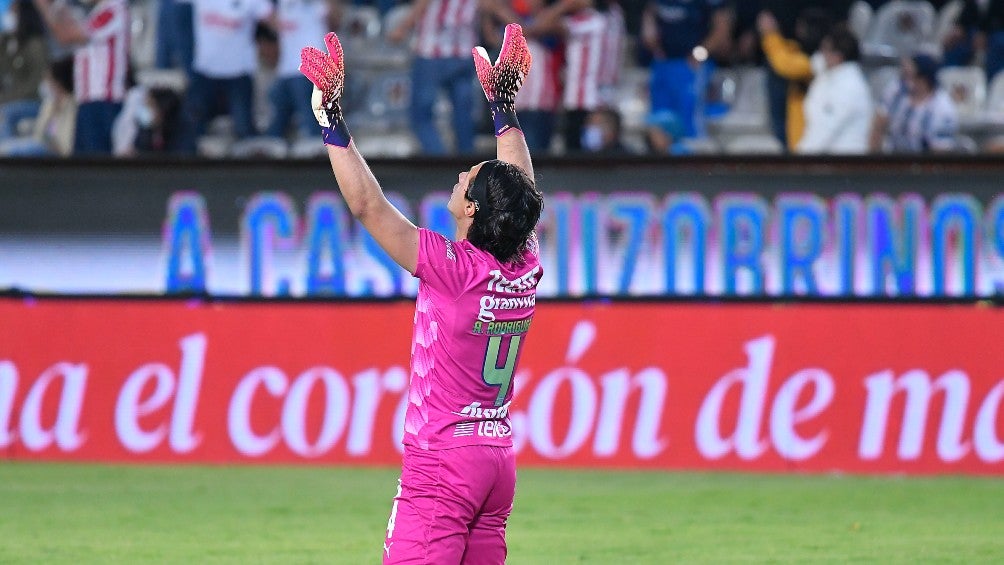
column 219, row 78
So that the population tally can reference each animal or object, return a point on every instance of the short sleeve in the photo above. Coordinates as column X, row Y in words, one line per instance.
column 441, row 264
column 107, row 20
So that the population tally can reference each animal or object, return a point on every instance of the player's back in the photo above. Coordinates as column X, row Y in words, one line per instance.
column 472, row 315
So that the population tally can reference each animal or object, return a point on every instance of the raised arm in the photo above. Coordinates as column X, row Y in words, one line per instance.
column 63, row 26
column 363, row 195
column 783, row 56
column 501, row 82
column 719, row 39
column 400, row 32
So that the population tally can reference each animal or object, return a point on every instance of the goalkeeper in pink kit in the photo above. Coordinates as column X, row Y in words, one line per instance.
column 475, row 304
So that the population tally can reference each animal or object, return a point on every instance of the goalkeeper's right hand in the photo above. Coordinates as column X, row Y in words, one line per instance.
column 327, row 72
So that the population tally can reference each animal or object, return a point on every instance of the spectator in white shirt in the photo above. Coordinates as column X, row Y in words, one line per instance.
column 300, row 23
column 224, row 66
column 838, row 105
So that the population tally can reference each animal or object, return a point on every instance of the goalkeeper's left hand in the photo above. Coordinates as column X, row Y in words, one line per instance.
column 503, row 80
column 327, row 72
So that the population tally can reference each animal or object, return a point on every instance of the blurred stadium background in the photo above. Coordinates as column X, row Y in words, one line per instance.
column 740, row 355
column 735, row 101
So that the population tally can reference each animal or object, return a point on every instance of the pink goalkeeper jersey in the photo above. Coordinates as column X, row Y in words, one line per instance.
column 471, row 318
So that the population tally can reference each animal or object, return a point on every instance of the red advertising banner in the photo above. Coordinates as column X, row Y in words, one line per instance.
column 915, row 388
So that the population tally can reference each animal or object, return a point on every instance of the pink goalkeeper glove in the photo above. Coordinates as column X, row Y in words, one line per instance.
column 327, row 72
column 502, row 81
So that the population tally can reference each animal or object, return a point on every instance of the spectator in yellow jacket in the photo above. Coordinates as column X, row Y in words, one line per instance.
column 790, row 59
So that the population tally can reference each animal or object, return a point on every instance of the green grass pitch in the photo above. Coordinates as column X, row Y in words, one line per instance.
column 88, row 513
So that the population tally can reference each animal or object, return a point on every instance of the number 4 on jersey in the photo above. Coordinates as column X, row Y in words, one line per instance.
column 500, row 376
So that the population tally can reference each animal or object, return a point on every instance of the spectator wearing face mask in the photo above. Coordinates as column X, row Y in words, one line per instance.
column 148, row 123
column 602, row 132
column 916, row 115
column 838, row 105
column 592, row 31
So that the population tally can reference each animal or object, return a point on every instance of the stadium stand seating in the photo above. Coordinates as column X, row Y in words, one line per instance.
column 879, row 78
column 632, row 104
column 218, row 139
column 995, row 101
column 259, row 147
column 744, row 91
column 378, row 96
column 360, row 26
column 900, row 28
column 968, row 89
column 753, row 144
column 946, row 18
column 143, row 33
column 307, row 148
column 859, row 18
column 173, row 79
column 967, row 144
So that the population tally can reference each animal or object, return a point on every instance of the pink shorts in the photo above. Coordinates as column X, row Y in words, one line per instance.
column 452, row 506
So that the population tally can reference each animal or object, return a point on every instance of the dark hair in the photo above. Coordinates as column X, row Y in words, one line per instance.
column 815, row 23
column 927, row 68
column 603, row 6
column 168, row 103
column 29, row 21
column 504, row 225
column 62, row 72
column 844, row 42
column 611, row 114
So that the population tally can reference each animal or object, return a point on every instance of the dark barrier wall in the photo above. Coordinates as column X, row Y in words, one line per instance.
column 762, row 227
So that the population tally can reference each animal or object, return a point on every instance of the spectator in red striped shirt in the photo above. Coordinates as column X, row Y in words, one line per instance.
column 612, row 52
column 537, row 101
column 445, row 34
column 100, row 64
column 593, row 32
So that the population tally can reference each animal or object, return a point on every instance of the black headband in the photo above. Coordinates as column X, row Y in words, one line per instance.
column 479, row 189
